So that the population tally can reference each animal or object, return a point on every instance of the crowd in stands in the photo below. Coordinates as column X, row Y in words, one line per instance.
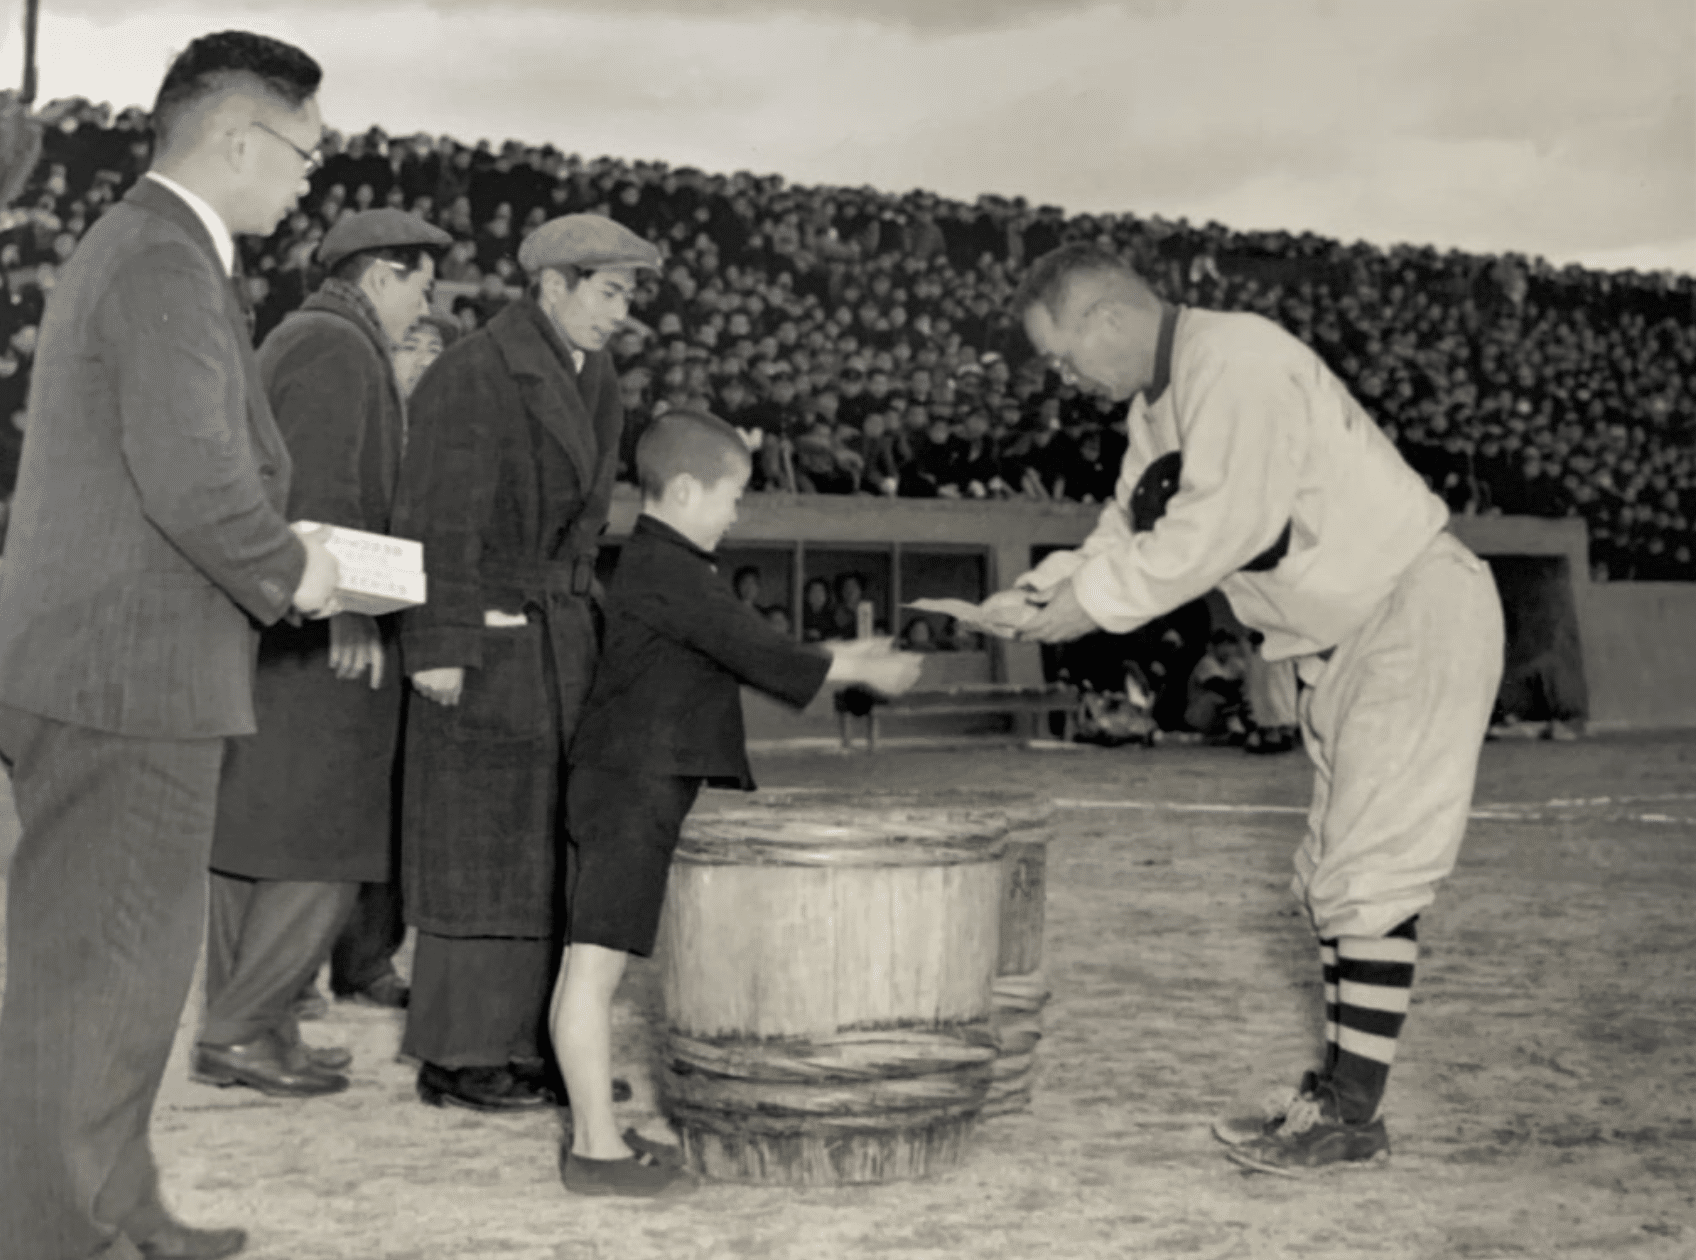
column 861, row 337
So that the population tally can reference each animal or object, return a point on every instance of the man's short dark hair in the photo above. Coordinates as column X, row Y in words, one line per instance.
column 1046, row 282
column 572, row 274
column 233, row 59
column 409, row 257
column 688, row 441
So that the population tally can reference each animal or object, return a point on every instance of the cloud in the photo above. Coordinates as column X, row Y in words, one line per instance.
column 1560, row 127
column 929, row 17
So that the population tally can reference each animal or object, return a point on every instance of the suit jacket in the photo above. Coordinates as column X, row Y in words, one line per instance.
column 507, row 479
column 666, row 699
column 147, row 535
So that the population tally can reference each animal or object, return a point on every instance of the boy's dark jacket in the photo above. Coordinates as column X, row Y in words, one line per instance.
column 666, row 698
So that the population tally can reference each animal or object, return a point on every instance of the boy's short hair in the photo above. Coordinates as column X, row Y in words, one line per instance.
column 686, row 440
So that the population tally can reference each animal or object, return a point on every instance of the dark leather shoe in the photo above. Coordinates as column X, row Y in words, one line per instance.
column 266, row 1065
column 179, row 1242
column 543, row 1075
column 387, row 990
column 479, row 1089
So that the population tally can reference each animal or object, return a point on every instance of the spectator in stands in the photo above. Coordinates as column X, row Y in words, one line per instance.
column 1469, row 367
column 845, row 612
column 818, row 617
column 917, row 635
column 1215, row 706
column 746, row 584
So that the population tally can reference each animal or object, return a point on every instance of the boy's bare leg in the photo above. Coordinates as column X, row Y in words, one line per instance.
column 581, row 1021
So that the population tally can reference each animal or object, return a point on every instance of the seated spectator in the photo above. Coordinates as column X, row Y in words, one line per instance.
column 917, row 636
column 818, row 618
column 845, row 614
column 778, row 617
column 746, row 584
column 1215, row 705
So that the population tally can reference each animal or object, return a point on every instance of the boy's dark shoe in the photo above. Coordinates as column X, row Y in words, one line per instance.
column 478, row 1089
column 642, row 1176
column 663, row 1153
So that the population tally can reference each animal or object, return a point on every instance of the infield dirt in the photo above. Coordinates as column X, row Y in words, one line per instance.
column 1543, row 1105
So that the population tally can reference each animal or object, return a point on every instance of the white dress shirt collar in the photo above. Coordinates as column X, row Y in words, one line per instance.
column 222, row 241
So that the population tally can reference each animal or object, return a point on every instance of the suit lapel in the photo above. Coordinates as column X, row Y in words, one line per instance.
column 269, row 447
column 552, row 391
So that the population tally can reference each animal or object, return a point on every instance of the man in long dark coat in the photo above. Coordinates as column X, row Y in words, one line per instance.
column 507, row 479
column 304, row 805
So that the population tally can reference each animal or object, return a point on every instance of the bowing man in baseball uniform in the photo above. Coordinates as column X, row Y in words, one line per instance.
column 1252, row 469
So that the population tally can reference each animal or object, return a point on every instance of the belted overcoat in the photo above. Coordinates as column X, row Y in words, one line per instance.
column 511, row 455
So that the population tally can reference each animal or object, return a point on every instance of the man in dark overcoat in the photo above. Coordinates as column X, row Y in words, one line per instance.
column 304, row 804
column 507, row 480
column 148, row 538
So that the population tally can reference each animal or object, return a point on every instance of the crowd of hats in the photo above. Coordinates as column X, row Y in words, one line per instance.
column 861, row 336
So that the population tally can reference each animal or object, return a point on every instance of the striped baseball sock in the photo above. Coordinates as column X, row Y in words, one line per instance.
column 1328, row 967
column 1374, row 979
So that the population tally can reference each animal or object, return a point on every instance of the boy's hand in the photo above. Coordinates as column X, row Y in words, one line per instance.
column 873, row 663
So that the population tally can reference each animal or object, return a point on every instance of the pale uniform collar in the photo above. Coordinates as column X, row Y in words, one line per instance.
column 222, row 241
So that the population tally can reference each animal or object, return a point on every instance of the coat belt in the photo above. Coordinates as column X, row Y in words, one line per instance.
column 544, row 577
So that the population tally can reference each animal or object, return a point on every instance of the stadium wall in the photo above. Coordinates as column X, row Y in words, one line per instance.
column 1632, row 638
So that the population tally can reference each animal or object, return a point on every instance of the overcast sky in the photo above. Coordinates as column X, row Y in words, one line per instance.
column 1565, row 128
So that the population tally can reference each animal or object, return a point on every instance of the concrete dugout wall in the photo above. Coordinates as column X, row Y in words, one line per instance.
column 1634, row 637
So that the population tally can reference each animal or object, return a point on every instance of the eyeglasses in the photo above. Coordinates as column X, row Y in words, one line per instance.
column 313, row 159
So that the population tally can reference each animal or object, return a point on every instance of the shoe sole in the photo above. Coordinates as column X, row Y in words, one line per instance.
column 1223, row 1131
column 1244, row 1160
column 441, row 1098
column 269, row 1090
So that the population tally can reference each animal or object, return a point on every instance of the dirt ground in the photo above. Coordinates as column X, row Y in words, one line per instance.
column 1544, row 1103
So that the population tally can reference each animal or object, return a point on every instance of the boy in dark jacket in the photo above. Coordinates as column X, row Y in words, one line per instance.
column 663, row 717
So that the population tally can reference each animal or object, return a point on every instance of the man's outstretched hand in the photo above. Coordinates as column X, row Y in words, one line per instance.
column 1058, row 616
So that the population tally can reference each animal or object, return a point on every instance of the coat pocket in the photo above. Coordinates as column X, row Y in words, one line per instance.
column 507, row 697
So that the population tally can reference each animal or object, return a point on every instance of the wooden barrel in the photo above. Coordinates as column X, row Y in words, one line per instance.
column 1020, row 991
column 828, row 991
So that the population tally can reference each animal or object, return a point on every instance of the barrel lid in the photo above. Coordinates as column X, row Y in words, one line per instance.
column 1021, row 809
column 823, row 836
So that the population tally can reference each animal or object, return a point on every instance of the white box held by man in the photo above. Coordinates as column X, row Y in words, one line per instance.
column 379, row 574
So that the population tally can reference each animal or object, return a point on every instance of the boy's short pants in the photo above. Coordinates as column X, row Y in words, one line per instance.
column 624, row 829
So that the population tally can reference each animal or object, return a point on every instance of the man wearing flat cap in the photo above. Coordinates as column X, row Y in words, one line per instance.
column 304, row 805
column 507, row 480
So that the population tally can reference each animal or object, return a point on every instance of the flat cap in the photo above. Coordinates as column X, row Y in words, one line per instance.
column 378, row 229
column 588, row 241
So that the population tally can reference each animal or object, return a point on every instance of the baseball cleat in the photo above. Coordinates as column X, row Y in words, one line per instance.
column 1236, row 1130
column 1307, row 1142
